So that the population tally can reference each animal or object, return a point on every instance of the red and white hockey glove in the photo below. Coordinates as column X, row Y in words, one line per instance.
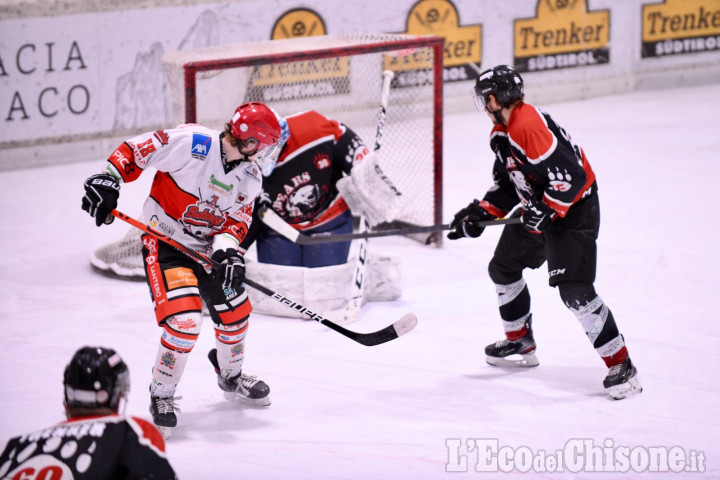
column 537, row 215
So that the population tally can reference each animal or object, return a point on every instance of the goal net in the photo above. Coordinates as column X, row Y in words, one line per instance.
column 341, row 77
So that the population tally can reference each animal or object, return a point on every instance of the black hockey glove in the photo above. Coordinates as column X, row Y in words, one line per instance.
column 232, row 269
column 465, row 221
column 101, row 196
column 537, row 215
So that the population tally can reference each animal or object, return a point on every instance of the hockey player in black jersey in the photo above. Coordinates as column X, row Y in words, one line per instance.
column 301, row 187
column 96, row 442
column 539, row 166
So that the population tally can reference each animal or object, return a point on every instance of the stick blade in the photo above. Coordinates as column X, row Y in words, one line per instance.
column 405, row 324
column 391, row 332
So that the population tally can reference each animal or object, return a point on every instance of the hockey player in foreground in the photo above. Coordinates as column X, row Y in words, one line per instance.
column 95, row 443
column 538, row 165
column 316, row 156
column 202, row 195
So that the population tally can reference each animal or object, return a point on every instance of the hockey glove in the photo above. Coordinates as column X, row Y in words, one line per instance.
column 101, row 196
column 263, row 200
column 465, row 221
column 231, row 273
column 537, row 215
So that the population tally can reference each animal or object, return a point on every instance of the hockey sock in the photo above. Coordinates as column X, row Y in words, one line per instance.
column 596, row 319
column 178, row 339
column 230, row 342
column 514, row 304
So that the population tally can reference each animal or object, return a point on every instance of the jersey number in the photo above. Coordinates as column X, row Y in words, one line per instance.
column 46, row 473
column 146, row 148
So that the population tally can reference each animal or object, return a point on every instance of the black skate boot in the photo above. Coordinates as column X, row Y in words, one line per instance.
column 241, row 387
column 515, row 353
column 163, row 411
column 622, row 380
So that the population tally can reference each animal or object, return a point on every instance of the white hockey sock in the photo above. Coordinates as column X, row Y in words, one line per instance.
column 230, row 343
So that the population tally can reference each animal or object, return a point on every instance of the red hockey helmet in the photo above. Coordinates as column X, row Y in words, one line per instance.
column 257, row 129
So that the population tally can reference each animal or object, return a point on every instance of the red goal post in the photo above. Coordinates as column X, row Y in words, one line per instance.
column 340, row 76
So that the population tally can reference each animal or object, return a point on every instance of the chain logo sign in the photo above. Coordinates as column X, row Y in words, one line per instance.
column 308, row 78
column 678, row 27
column 463, row 44
column 563, row 34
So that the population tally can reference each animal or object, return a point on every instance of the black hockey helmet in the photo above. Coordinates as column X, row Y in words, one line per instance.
column 96, row 378
column 503, row 82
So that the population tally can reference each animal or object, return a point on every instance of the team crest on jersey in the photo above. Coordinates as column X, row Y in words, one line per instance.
column 203, row 217
column 559, row 181
column 304, row 200
column 200, row 146
column 168, row 360
column 357, row 151
column 322, row 161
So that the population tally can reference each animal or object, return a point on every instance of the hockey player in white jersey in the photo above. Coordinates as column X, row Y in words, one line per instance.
column 202, row 195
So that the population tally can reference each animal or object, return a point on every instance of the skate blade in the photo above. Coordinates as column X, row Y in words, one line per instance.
column 514, row 361
column 166, row 432
column 238, row 398
column 624, row 390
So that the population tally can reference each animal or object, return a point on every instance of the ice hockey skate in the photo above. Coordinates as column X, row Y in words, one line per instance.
column 163, row 411
column 243, row 388
column 622, row 380
column 518, row 353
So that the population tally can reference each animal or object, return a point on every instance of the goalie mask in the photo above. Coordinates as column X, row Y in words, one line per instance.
column 267, row 164
column 257, row 130
column 96, row 378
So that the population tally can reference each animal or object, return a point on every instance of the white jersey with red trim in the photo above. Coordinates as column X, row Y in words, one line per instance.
column 196, row 192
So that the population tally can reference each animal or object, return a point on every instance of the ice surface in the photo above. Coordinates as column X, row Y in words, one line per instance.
column 344, row 411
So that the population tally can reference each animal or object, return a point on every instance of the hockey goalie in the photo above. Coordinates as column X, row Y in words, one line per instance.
column 322, row 177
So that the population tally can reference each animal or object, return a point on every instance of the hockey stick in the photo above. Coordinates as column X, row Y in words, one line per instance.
column 269, row 217
column 358, row 281
column 391, row 332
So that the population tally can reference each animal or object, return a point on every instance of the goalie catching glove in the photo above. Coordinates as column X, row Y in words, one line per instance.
column 368, row 191
column 465, row 221
column 231, row 273
column 101, row 195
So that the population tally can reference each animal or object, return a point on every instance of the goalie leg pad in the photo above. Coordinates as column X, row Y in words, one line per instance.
column 324, row 289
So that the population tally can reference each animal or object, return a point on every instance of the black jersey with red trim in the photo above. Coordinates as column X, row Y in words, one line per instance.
column 318, row 153
column 536, row 158
column 90, row 448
